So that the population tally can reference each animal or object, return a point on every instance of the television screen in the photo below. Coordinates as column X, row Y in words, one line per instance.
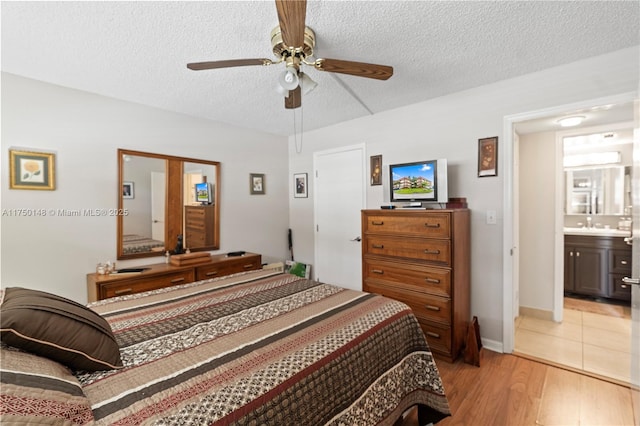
column 203, row 193
column 417, row 181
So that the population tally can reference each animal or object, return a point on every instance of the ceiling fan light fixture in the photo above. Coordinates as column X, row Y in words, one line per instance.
column 289, row 79
column 306, row 83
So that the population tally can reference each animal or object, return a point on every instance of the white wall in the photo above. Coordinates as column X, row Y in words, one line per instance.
column 85, row 131
column 450, row 127
column 537, row 220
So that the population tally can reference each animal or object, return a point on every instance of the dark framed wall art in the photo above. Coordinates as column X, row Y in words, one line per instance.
column 300, row 185
column 256, row 184
column 488, row 157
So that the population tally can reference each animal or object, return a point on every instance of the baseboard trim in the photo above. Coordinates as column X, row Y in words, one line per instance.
column 536, row 313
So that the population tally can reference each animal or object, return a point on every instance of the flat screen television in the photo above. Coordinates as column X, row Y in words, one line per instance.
column 204, row 193
column 419, row 182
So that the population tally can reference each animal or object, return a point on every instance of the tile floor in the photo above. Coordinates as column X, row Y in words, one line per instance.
column 587, row 341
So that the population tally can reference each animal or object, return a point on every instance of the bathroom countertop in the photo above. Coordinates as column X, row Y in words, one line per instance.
column 600, row 232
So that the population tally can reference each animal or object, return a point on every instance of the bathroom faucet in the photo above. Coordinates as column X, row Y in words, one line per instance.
column 589, row 225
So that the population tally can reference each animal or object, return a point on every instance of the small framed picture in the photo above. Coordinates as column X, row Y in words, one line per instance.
column 300, row 185
column 376, row 170
column 127, row 190
column 31, row 170
column 488, row 157
column 256, row 183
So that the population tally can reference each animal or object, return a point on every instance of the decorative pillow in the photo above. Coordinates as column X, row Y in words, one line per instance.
column 57, row 328
column 36, row 390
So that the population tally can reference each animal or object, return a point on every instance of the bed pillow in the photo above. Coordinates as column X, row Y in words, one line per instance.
column 57, row 328
column 37, row 390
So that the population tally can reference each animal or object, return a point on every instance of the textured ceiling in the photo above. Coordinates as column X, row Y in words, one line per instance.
column 138, row 51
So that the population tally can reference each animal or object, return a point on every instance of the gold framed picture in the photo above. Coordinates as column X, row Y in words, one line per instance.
column 31, row 170
column 488, row 157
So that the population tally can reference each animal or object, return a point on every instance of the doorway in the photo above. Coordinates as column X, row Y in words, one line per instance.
column 512, row 229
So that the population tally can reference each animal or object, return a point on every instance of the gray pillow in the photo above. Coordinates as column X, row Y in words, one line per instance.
column 57, row 328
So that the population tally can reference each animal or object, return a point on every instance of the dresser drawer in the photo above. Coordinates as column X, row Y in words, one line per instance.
column 193, row 213
column 131, row 286
column 416, row 277
column 424, row 306
column 620, row 261
column 435, row 225
column 438, row 337
column 197, row 225
column 231, row 266
column 423, row 249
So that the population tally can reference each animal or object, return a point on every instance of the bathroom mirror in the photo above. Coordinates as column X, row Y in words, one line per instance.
column 597, row 190
column 158, row 193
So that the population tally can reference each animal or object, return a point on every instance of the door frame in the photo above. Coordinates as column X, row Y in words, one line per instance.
column 510, row 261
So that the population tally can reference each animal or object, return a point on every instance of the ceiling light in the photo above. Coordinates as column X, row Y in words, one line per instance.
column 571, row 121
column 306, row 83
column 289, row 78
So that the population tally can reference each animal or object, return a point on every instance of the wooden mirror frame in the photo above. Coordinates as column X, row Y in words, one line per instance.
column 174, row 205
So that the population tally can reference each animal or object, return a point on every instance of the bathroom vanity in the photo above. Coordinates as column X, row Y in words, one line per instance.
column 595, row 261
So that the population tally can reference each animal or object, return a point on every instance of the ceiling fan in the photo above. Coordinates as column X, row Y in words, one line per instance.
column 293, row 42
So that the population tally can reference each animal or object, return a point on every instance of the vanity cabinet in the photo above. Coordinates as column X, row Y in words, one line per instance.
column 595, row 266
column 161, row 275
column 422, row 258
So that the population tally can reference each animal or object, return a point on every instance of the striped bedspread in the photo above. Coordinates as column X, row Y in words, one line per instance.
column 264, row 348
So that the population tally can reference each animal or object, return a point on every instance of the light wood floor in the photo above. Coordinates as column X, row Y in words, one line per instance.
column 507, row 390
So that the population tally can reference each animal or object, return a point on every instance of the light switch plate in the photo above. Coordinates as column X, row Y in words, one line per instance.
column 491, row 217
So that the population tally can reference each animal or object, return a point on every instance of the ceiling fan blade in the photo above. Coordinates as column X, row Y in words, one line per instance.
column 291, row 15
column 198, row 66
column 294, row 100
column 359, row 69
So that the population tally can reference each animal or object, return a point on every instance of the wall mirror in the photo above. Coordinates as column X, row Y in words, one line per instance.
column 597, row 190
column 166, row 196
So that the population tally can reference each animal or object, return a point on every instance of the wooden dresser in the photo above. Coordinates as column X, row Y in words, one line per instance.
column 422, row 258
column 162, row 275
column 197, row 234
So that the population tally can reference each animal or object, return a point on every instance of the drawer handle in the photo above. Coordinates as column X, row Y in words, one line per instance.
column 432, row 280
column 377, row 271
column 432, row 334
column 211, row 273
column 123, row 291
column 177, row 280
column 377, row 246
column 432, row 308
column 427, row 251
column 377, row 222
column 248, row 265
column 432, row 225
column 623, row 262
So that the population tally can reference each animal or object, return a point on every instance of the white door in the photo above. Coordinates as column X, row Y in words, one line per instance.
column 158, row 184
column 339, row 196
column 634, row 279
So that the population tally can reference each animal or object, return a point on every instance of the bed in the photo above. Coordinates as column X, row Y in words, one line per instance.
column 261, row 347
column 133, row 243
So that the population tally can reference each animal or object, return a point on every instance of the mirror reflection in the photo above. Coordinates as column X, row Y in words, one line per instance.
column 595, row 191
column 166, row 197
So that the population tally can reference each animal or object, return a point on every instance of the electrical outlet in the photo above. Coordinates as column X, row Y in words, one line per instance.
column 491, row 217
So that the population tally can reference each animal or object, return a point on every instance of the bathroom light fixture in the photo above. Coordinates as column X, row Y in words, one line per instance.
column 289, row 78
column 592, row 159
column 571, row 121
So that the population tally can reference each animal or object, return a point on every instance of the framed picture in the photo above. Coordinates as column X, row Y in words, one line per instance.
column 127, row 190
column 300, row 185
column 376, row 170
column 31, row 170
column 256, row 183
column 488, row 157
